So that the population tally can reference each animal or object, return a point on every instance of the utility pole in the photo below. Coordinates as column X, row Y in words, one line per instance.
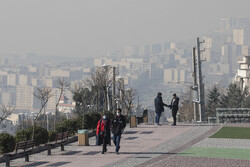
column 195, row 84
column 201, row 85
column 113, row 91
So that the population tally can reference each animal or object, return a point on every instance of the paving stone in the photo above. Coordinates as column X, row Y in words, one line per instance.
column 149, row 145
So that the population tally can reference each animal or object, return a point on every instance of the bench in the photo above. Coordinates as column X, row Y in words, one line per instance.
column 25, row 146
column 60, row 140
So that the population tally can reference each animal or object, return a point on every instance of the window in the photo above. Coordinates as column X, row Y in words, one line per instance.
column 4, row 126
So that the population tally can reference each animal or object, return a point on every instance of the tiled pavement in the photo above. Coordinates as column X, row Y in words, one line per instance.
column 146, row 145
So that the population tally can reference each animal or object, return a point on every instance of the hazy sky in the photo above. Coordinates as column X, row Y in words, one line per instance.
column 92, row 27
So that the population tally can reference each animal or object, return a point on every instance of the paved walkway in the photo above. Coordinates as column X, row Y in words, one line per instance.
column 146, row 145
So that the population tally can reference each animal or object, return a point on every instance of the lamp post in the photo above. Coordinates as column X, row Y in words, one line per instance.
column 121, row 90
column 32, row 116
column 130, row 111
column 113, row 86
column 47, row 116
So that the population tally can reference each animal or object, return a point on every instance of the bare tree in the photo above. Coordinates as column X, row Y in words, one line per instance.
column 6, row 111
column 100, row 79
column 62, row 85
column 104, row 79
column 91, row 83
column 82, row 97
column 43, row 94
column 128, row 98
column 24, row 124
column 186, row 111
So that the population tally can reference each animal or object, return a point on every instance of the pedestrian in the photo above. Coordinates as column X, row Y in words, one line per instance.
column 118, row 126
column 103, row 132
column 159, row 107
column 174, row 106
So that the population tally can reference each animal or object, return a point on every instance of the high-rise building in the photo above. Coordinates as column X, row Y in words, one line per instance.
column 11, row 79
column 156, row 48
column 230, row 55
column 241, row 37
column 144, row 51
column 24, row 97
column 22, row 79
column 238, row 36
column 243, row 72
column 130, row 51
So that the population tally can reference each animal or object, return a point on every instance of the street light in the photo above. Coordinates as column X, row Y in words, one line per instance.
column 121, row 90
column 32, row 115
column 113, row 88
column 47, row 116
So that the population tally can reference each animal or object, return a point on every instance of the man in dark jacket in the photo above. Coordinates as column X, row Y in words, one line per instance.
column 118, row 126
column 174, row 106
column 159, row 107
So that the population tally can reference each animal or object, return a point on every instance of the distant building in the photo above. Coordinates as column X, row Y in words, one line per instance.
column 11, row 79
column 175, row 75
column 241, row 36
column 8, row 127
column 65, row 106
column 24, row 97
column 243, row 73
column 22, row 79
column 130, row 51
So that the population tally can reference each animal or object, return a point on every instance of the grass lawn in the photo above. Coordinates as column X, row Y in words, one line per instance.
column 230, row 153
column 233, row 133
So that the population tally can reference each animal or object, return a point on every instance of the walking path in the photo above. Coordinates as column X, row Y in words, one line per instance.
column 146, row 145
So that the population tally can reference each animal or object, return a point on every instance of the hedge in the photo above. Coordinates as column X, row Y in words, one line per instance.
column 7, row 143
column 40, row 135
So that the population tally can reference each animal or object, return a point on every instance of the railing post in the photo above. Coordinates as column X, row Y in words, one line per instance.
column 49, row 149
column 7, row 160
column 26, row 157
column 62, row 147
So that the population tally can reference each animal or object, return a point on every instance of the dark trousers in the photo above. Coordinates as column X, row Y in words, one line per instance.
column 157, row 117
column 116, row 140
column 174, row 113
column 104, row 144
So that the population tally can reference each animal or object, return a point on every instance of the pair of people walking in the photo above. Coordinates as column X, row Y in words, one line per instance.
column 159, row 107
column 104, row 126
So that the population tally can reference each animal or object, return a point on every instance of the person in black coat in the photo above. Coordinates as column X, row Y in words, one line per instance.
column 118, row 126
column 159, row 107
column 174, row 106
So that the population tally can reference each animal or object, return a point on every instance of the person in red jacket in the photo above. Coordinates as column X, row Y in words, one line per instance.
column 103, row 132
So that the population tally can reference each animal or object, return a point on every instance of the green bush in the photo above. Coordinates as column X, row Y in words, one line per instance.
column 52, row 135
column 40, row 135
column 91, row 120
column 95, row 118
column 110, row 114
column 71, row 125
column 7, row 143
column 23, row 135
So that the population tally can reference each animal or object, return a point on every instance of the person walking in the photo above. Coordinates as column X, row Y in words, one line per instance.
column 159, row 107
column 103, row 132
column 174, row 106
column 118, row 126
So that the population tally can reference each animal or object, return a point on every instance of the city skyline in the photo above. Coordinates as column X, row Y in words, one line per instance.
column 92, row 28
